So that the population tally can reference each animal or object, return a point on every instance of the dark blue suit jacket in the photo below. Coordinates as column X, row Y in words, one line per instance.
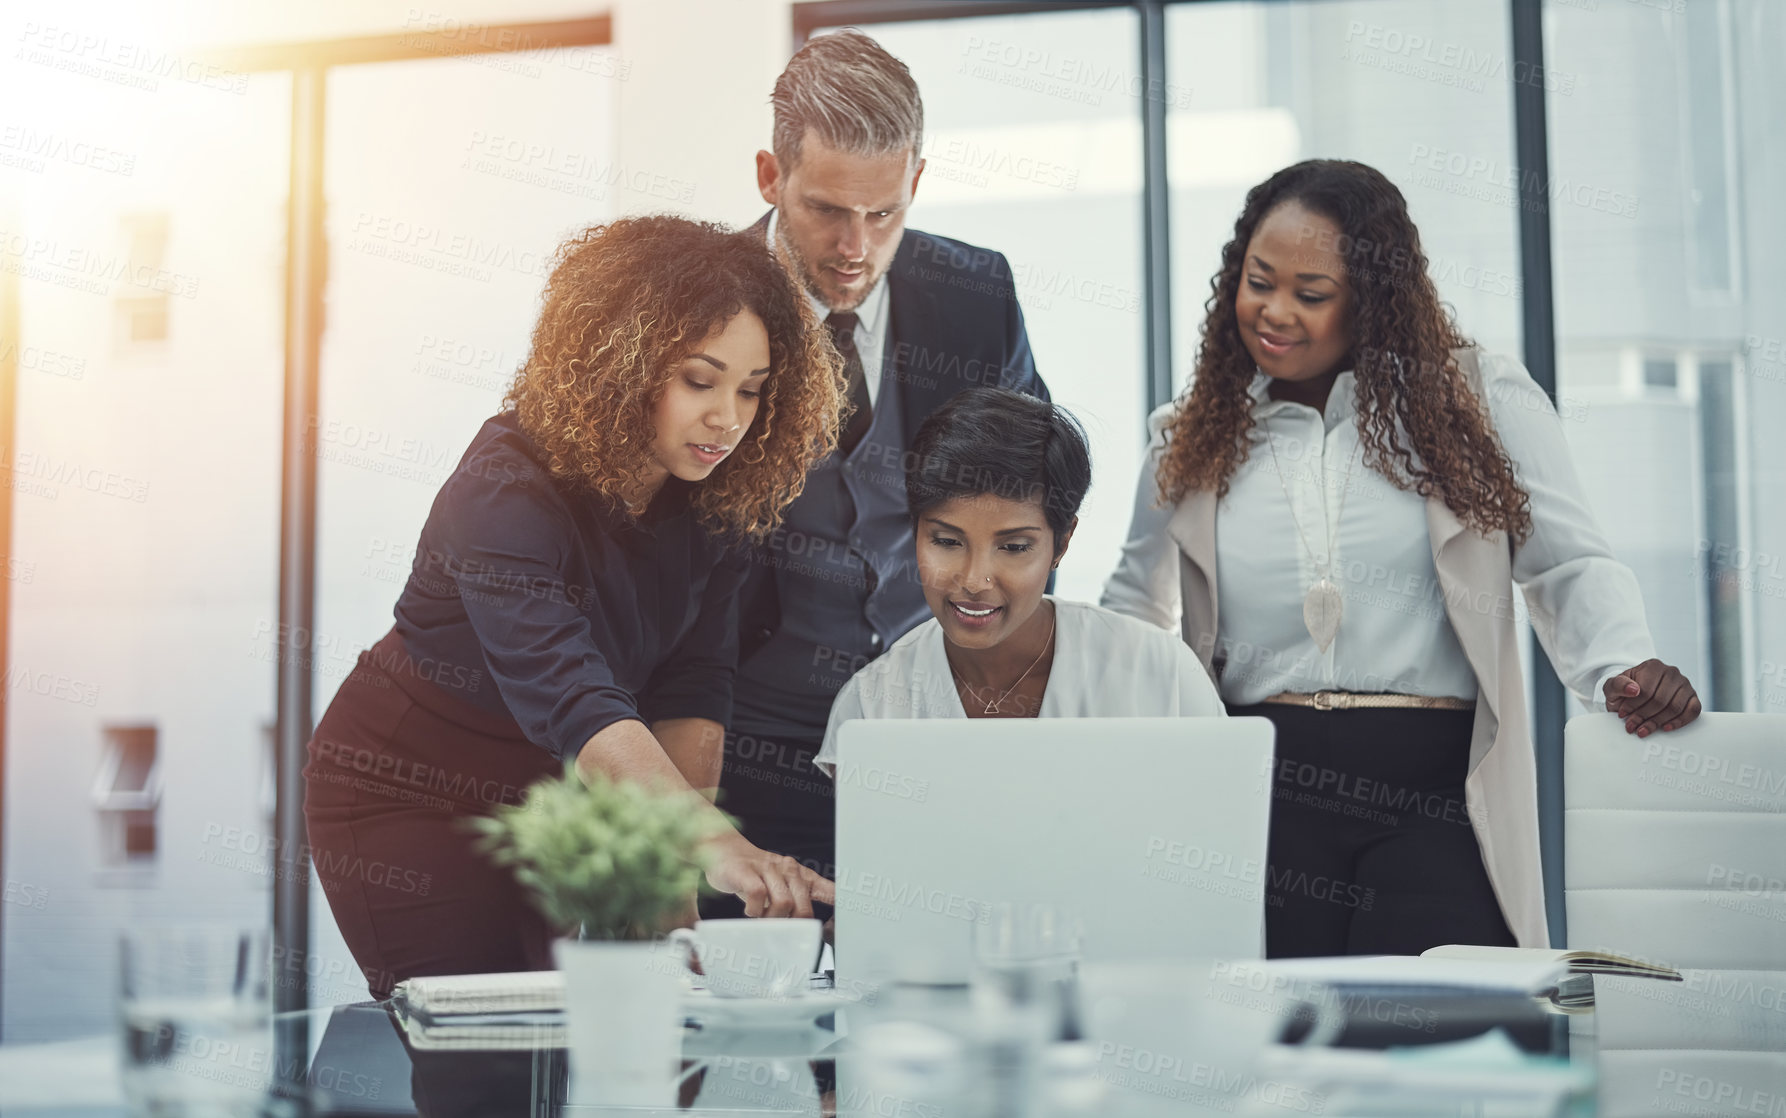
column 838, row 583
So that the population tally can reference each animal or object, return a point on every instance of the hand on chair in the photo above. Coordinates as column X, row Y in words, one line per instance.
column 1652, row 696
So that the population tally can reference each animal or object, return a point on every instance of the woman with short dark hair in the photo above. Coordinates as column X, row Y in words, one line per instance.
column 994, row 481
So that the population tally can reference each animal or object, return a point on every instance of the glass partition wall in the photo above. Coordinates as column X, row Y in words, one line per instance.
column 1032, row 148
column 1671, row 292
column 1416, row 90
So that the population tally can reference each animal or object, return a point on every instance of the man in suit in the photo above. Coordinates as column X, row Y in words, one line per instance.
column 916, row 318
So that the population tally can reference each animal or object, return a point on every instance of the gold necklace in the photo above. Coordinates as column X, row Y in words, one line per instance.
column 993, row 706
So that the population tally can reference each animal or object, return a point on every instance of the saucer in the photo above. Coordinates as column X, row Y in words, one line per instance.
column 796, row 1011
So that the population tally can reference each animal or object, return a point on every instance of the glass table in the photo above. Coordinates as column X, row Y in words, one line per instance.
column 1714, row 1044
column 365, row 1062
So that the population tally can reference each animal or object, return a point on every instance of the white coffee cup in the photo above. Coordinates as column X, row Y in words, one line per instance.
column 766, row 957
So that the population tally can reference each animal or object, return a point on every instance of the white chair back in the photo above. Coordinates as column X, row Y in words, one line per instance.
column 1675, row 850
column 1674, row 846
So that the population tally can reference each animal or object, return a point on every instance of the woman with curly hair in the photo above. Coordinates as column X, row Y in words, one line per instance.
column 572, row 599
column 1336, row 514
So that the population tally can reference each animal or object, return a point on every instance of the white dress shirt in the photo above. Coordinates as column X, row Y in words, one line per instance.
column 871, row 323
column 1394, row 634
column 1105, row 666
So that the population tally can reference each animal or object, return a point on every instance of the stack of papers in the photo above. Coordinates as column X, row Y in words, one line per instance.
column 1532, row 977
column 482, row 1032
column 514, row 1011
column 525, row 1010
column 512, row 992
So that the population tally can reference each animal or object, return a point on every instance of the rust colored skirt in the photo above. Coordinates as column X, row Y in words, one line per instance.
column 397, row 766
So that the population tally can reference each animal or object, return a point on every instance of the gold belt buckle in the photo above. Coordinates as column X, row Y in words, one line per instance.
column 1324, row 700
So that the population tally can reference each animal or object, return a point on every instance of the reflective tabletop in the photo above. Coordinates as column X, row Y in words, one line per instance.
column 1712, row 1044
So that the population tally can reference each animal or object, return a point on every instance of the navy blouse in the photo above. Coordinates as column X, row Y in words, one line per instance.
column 531, row 599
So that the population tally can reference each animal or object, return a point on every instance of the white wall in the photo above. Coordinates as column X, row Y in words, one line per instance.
column 696, row 106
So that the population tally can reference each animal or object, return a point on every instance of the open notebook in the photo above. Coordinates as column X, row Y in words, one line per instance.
column 1578, row 962
column 1574, row 991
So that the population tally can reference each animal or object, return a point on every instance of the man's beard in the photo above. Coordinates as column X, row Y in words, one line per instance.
column 808, row 276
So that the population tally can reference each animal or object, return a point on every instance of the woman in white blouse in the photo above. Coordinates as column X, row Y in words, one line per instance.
column 994, row 480
column 1335, row 516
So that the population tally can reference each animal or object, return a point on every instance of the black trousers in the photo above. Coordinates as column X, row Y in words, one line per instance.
column 1371, row 850
column 782, row 803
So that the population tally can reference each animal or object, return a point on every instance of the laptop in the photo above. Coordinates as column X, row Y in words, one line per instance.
column 1150, row 831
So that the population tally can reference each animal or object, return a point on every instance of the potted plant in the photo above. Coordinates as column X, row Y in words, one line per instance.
column 620, row 861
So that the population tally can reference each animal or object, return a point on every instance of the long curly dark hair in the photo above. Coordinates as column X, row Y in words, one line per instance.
column 626, row 302
column 1402, row 359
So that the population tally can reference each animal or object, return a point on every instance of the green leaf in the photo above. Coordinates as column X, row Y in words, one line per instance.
column 619, row 859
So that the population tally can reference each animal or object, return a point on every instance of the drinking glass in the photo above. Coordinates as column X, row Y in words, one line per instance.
column 1026, row 959
column 194, row 1011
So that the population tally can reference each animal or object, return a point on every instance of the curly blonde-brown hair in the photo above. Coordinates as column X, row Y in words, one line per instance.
column 1402, row 359
column 626, row 302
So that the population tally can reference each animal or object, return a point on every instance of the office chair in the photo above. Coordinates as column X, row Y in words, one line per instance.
column 1674, row 849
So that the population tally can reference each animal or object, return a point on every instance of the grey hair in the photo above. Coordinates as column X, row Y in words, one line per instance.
column 855, row 97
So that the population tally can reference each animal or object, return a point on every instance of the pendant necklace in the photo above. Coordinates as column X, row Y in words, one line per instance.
column 1323, row 604
column 992, row 707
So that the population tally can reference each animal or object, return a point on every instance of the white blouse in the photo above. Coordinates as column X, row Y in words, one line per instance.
column 1105, row 666
column 1394, row 634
